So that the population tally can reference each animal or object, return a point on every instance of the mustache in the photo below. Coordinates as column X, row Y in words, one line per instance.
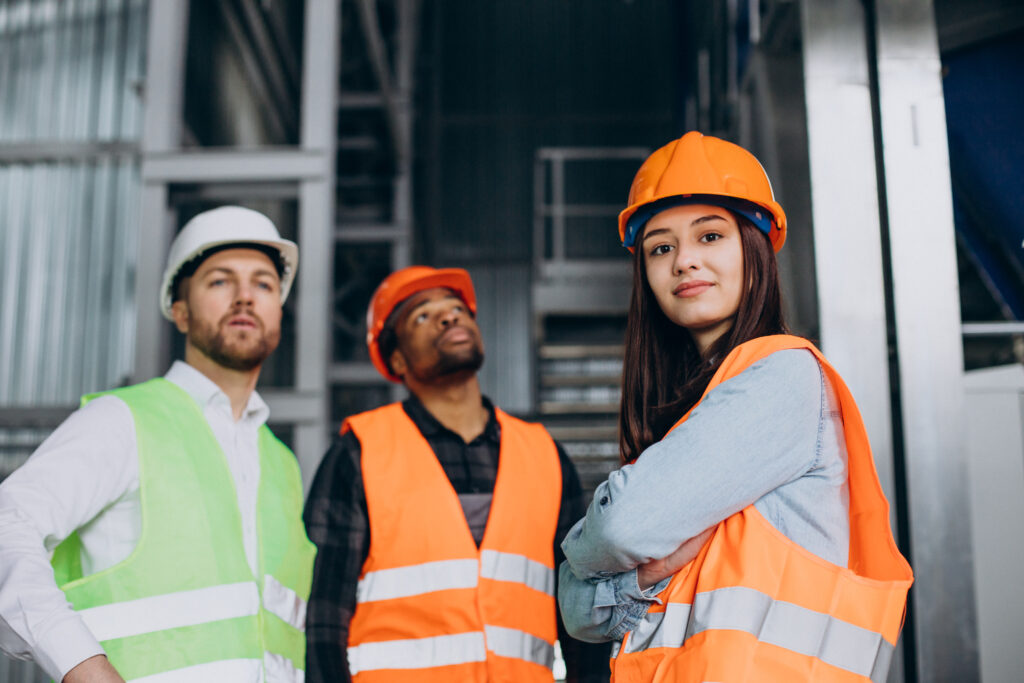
column 241, row 310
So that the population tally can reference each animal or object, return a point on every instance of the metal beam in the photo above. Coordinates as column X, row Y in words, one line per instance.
column 236, row 165
column 63, row 151
column 36, row 417
column 993, row 329
column 919, row 208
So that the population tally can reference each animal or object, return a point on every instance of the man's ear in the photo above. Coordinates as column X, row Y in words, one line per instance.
column 179, row 311
column 397, row 363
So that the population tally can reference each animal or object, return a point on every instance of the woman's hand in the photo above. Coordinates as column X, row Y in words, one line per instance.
column 654, row 571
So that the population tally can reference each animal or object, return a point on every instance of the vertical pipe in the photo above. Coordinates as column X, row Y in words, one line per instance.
column 19, row 190
column 539, row 217
column 57, row 334
column 918, row 210
column 8, row 280
column 558, row 208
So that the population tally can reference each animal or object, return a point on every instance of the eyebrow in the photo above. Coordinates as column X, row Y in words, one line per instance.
column 228, row 271
column 698, row 221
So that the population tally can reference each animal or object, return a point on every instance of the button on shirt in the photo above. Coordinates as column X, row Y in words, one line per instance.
column 85, row 477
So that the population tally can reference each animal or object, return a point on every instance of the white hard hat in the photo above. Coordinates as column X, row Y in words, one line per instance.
column 217, row 227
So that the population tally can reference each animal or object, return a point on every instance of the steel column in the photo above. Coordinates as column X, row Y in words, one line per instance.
column 844, row 208
column 165, row 81
column 925, row 296
column 845, row 215
column 316, row 227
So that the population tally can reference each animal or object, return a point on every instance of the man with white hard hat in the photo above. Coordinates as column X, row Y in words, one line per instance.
column 173, row 514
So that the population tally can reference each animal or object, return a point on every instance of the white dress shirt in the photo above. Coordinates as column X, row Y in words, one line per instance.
column 85, row 476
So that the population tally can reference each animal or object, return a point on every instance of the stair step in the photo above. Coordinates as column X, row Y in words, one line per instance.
column 569, row 351
column 569, row 408
column 596, row 432
column 596, row 380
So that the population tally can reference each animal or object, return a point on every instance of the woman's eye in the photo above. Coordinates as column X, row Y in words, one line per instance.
column 711, row 237
column 421, row 318
column 661, row 249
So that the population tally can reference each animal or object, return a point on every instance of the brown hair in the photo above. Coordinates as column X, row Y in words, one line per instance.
column 663, row 374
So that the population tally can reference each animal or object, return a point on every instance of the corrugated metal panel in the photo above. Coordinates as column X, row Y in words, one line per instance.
column 70, row 73
column 503, row 313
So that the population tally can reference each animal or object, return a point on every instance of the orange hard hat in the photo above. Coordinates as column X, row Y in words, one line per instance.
column 398, row 287
column 700, row 169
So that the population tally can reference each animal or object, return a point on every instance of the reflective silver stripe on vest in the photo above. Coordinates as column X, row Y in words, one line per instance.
column 517, row 568
column 279, row 669
column 814, row 634
column 508, row 642
column 660, row 629
column 284, row 603
column 173, row 610
column 211, row 672
column 402, row 582
column 418, row 653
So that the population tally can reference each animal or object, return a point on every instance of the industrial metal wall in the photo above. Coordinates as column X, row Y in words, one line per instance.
column 70, row 119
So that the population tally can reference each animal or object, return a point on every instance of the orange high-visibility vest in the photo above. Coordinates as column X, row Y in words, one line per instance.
column 755, row 606
column 431, row 607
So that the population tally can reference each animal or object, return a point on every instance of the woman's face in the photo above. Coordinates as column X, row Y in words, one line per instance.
column 693, row 256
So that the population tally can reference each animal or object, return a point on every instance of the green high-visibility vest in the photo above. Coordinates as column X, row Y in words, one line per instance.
column 186, row 596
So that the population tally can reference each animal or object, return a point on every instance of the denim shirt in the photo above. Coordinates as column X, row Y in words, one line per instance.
column 772, row 436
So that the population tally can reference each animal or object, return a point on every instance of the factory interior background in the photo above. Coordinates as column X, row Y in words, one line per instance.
column 502, row 137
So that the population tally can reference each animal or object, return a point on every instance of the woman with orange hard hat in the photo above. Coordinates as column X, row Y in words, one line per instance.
column 746, row 537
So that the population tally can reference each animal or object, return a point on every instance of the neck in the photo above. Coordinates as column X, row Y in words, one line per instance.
column 238, row 385
column 704, row 338
column 457, row 405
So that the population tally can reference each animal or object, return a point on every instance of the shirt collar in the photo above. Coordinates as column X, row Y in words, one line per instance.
column 429, row 426
column 205, row 392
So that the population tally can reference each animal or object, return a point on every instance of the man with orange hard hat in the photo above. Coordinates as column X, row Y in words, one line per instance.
column 438, row 519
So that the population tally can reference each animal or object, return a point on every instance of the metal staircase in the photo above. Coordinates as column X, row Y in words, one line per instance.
column 581, row 289
column 373, row 233
column 579, row 403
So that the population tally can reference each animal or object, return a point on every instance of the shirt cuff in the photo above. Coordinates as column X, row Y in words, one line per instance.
column 65, row 645
column 627, row 588
column 627, row 601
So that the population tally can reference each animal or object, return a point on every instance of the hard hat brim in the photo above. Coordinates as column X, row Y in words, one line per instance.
column 289, row 254
column 770, row 219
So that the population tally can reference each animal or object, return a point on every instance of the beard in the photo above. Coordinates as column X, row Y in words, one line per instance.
column 246, row 351
column 469, row 360
column 450, row 364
